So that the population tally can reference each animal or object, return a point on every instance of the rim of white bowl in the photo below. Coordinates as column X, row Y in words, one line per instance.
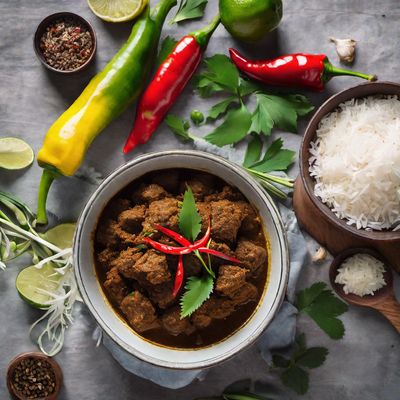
column 244, row 342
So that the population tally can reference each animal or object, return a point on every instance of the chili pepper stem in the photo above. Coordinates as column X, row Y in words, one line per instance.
column 44, row 187
column 330, row 71
column 203, row 35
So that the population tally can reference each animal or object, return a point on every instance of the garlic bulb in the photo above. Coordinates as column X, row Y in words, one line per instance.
column 345, row 48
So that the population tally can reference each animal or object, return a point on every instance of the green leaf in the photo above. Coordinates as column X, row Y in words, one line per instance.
column 247, row 87
column 166, row 48
column 206, row 87
column 301, row 343
column 221, row 108
column 233, row 129
column 323, row 307
column 313, row 357
column 275, row 158
column 189, row 9
column 296, row 378
column 280, row 361
column 307, row 296
column 179, row 127
column 198, row 290
column 279, row 111
column 253, row 152
column 189, row 217
column 221, row 71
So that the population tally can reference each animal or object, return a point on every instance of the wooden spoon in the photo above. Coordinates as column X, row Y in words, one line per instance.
column 383, row 299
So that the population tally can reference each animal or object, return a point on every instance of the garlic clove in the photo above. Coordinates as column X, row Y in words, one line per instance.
column 345, row 48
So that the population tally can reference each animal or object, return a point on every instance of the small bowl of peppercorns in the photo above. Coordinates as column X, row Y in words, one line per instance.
column 34, row 375
column 65, row 42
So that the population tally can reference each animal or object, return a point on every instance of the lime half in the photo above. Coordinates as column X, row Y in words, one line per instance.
column 61, row 235
column 15, row 153
column 31, row 281
column 117, row 10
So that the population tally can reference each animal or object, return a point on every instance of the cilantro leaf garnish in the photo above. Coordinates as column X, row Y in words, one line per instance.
column 221, row 108
column 293, row 373
column 198, row 290
column 179, row 127
column 189, row 9
column 189, row 217
column 166, row 48
column 253, row 152
column 233, row 129
column 324, row 308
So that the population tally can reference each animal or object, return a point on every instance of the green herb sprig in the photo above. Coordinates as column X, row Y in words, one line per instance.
column 323, row 307
column 293, row 372
column 198, row 289
column 189, row 9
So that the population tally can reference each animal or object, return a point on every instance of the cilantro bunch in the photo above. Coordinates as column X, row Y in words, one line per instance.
column 235, row 121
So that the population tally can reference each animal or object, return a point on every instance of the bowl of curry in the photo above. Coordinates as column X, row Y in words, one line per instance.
column 135, row 267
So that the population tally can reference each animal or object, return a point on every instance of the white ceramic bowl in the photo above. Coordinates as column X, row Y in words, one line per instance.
column 120, row 332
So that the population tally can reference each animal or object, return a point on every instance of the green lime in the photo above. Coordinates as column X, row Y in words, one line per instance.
column 250, row 20
column 61, row 235
column 31, row 281
column 117, row 10
column 15, row 153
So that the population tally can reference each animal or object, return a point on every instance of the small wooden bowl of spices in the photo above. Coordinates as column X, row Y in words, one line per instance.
column 65, row 42
column 33, row 375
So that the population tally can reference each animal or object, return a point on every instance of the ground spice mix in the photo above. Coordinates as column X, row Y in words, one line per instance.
column 66, row 45
column 34, row 378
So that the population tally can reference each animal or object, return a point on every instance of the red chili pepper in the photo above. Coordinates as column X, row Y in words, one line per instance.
column 171, row 78
column 178, row 277
column 218, row 254
column 164, row 248
column 172, row 234
column 310, row 71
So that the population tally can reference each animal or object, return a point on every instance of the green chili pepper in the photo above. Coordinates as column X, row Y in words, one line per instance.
column 197, row 117
column 107, row 95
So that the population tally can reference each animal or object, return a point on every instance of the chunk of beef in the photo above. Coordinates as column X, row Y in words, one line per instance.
column 227, row 193
column 251, row 255
column 245, row 294
column 115, row 286
column 201, row 185
column 174, row 325
column 163, row 212
column 110, row 234
column 205, row 214
column 230, row 279
column 139, row 312
column 131, row 220
column 162, row 294
column 149, row 193
column 106, row 257
column 149, row 268
column 226, row 217
column 115, row 207
column 213, row 308
column 192, row 265
column 223, row 248
column 251, row 222
column 168, row 180
column 125, row 262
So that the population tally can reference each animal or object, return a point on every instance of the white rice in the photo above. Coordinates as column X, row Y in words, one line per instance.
column 355, row 161
column 361, row 274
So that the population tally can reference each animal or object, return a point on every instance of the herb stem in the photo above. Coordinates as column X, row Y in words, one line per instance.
column 288, row 182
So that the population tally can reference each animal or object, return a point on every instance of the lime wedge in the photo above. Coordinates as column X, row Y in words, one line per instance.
column 15, row 153
column 61, row 235
column 117, row 10
column 31, row 281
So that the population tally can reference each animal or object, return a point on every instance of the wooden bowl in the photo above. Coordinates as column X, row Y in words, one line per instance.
column 38, row 356
column 316, row 217
column 49, row 20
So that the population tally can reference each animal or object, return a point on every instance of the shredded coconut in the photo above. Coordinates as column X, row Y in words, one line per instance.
column 355, row 161
column 361, row 274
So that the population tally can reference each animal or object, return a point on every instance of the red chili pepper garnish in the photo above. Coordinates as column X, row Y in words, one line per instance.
column 173, row 235
column 171, row 78
column 204, row 240
column 310, row 71
column 218, row 254
column 178, row 277
column 164, row 248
